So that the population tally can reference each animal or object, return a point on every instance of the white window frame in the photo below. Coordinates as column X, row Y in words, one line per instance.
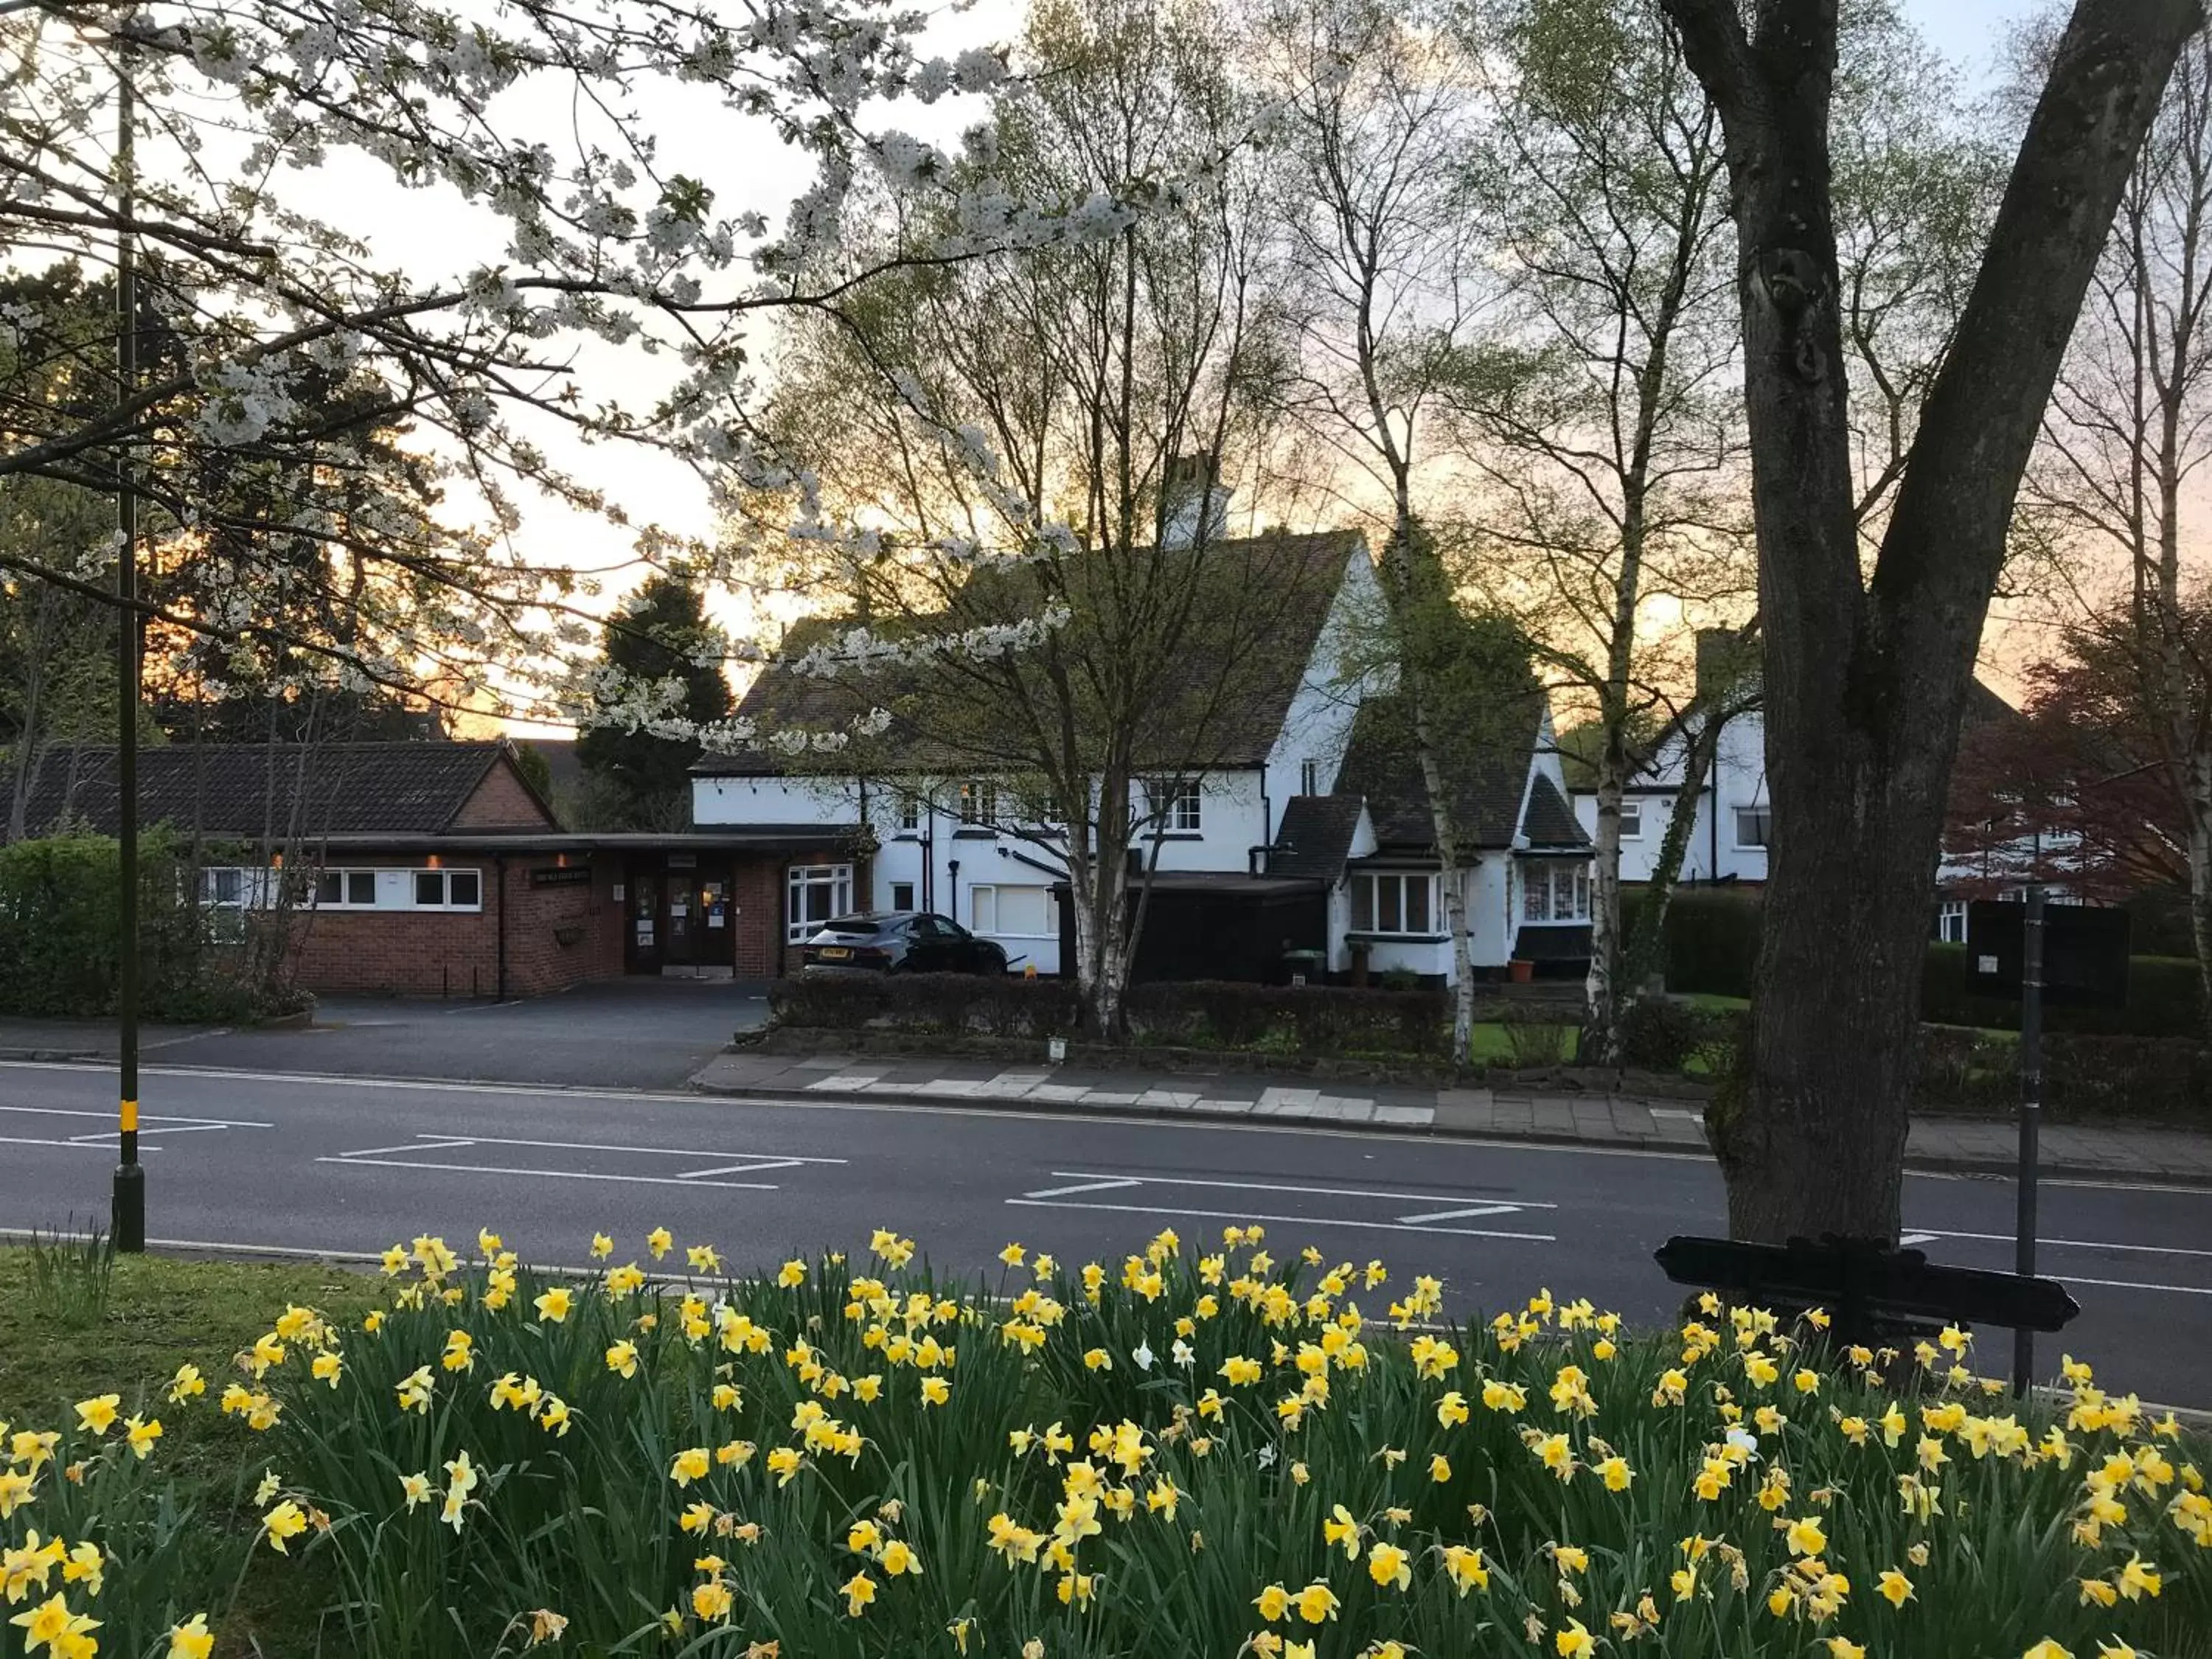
column 1767, row 816
column 1631, row 820
column 1178, row 804
column 834, row 878
column 909, row 812
column 257, row 886
column 906, row 904
column 1555, row 893
column 983, row 910
column 1401, row 882
column 1949, row 912
column 446, row 872
column 346, row 875
column 979, row 801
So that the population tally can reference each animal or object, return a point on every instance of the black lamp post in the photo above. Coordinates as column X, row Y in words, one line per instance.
column 127, row 1213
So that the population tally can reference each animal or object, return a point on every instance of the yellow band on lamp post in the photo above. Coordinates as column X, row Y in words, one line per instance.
column 129, row 1117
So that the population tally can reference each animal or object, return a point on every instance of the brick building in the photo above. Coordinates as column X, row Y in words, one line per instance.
column 434, row 868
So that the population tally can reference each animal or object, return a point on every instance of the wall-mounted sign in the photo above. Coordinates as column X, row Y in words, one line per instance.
column 683, row 860
column 645, row 933
column 620, row 890
column 568, row 875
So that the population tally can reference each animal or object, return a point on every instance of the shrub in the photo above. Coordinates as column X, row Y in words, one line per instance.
column 1659, row 1034
column 2097, row 1076
column 1711, row 941
column 58, row 932
column 1535, row 1039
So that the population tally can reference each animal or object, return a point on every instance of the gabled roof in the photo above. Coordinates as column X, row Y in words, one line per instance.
column 1221, row 725
column 1381, row 764
column 248, row 790
column 1549, row 823
column 1315, row 835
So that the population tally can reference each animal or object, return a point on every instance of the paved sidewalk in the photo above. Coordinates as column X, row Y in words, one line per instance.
column 1973, row 1145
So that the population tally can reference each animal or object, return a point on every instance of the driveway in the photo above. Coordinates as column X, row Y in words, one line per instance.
column 623, row 1034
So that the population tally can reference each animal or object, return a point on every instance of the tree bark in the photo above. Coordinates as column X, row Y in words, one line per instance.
column 1864, row 680
column 1641, row 957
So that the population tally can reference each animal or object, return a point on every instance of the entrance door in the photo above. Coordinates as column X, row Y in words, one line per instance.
column 683, row 923
column 643, row 945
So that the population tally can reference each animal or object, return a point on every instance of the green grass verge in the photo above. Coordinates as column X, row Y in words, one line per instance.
column 161, row 1314
column 1492, row 1044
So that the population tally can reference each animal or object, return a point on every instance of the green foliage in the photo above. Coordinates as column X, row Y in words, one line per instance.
column 72, row 1275
column 58, row 930
column 719, row 1439
column 662, row 641
column 1710, row 942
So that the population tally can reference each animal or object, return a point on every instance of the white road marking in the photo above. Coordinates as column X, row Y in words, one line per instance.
column 420, row 1144
column 2138, row 1285
column 759, row 1160
column 108, row 1116
column 1276, row 1186
column 75, row 1146
column 1292, row 1220
column 550, row 1175
column 1467, row 1214
column 1084, row 1187
column 758, row 1167
column 1917, row 1238
column 2067, row 1244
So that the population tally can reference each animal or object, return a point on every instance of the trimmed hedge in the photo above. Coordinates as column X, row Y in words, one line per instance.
column 1712, row 945
column 1316, row 1020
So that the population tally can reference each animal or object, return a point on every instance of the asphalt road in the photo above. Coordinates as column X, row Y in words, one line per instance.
column 331, row 1166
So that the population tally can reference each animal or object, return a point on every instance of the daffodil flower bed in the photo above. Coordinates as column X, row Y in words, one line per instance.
column 1185, row 1454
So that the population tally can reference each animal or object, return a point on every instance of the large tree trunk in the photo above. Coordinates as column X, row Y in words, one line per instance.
column 2200, row 877
column 1864, row 681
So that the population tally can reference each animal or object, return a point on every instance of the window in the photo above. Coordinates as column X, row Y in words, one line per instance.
column 1754, row 824
column 345, row 890
column 979, row 801
column 910, row 812
column 1394, row 904
column 815, row 893
column 1309, row 777
column 1555, row 892
column 901, row 896
column 232, row 887
column 1950, row 921
column 1176, row 804
column 1021, row 912
column 1631, row 820
column 448, row 889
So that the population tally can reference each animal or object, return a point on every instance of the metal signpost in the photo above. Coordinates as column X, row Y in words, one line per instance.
column 2031, row 1122
column 2041, row 953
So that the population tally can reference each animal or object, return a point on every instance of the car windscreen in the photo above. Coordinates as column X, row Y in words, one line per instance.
column 853, row 926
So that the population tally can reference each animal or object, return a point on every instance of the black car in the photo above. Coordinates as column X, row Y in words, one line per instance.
column 899, row 941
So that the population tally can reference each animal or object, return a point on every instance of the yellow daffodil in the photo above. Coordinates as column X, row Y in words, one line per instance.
column 1574, row 1641
column 192, row 1639
column 859, row 1590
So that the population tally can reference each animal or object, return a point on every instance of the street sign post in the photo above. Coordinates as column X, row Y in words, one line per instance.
column 2071, row 955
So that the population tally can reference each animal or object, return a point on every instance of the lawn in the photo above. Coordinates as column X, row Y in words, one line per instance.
column 1494, row 1044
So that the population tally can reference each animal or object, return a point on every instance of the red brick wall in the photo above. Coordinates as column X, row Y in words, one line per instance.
column 756, row 889
column 502, row 801
column 456, row 953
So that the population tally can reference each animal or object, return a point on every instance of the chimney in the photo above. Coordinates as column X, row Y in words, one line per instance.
column 1194, row 507
column 1724, row 660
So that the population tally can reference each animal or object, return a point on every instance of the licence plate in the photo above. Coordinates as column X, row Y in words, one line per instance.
column 834, row 953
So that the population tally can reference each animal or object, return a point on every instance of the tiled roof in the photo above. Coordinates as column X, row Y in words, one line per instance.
column 1381, row 764
column 281, row 791
column 1315, row 837
column 1212, row 710
column 1550, row 822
